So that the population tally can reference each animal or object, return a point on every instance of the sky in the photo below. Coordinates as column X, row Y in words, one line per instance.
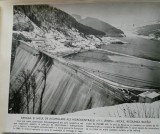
column 117, row 14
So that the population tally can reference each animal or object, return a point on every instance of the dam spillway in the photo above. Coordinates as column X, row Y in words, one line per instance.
column 67, row 88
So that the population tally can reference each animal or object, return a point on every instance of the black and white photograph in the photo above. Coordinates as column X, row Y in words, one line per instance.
column 93, row 59
column 35, row 133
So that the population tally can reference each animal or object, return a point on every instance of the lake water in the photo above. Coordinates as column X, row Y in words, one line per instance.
column 137, row 46
column 143, row 71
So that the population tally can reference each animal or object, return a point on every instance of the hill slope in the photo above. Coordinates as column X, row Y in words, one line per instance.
column 102, row 26
column 51, row 30
column 46, row 17
column 153, row 31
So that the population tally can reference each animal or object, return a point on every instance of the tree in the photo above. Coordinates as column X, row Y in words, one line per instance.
column 15, row 101
column 27, row 84
column 21, row 93
column 30, row 89
column 44, row 71
column 34, row 86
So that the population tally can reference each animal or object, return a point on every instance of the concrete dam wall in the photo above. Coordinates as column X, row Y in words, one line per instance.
column 67, row 88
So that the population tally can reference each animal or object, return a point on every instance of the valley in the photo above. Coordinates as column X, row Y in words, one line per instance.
column 60, row 65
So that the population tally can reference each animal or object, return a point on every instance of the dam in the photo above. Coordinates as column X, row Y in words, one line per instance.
column 66, row 87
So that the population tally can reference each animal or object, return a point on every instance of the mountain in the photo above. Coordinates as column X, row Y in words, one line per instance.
column 77, row 17
column 47, row 17
column 153, row 31
column 102, row 26
column 51, row 30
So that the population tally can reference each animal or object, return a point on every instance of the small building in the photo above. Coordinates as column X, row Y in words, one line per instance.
column 142, row 96
column 148, row 97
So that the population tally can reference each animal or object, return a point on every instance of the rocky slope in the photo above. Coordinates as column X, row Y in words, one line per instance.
column 48, row 17
column 51, row 30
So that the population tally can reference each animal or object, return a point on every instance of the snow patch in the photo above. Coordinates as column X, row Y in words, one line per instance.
column 129, row 110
